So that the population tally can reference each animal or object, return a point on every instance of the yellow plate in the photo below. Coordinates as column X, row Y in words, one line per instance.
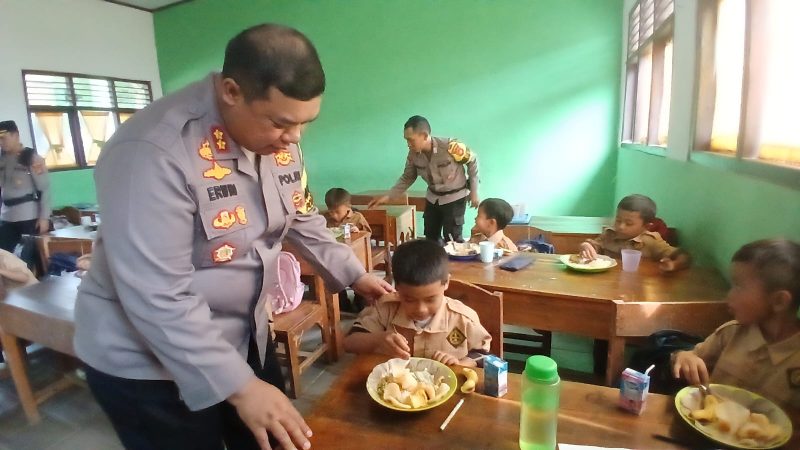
column 601, row 264
column 436, row 368
column 753, row 402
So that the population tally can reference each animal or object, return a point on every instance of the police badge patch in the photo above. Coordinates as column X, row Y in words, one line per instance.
column 456, row 337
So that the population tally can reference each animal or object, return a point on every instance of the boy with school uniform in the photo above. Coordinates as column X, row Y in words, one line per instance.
column 419, row 320
column 340, row 211
column 494, row 214
column 760, row 349
column 634, row 213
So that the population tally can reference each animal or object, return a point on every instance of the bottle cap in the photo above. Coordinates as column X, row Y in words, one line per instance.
column 541, row 369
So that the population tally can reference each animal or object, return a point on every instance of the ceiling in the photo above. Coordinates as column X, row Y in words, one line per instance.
column 148, row 5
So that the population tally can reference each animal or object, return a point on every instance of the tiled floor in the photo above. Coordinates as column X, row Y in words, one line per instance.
column 72, row 420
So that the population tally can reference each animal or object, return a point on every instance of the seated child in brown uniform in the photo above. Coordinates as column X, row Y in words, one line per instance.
column 419, row 320
column 760, row 349
column 634, row 212
column 493, row 216
column 340, row 211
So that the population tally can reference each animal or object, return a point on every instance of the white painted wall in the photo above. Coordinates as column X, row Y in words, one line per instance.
column 92, row 37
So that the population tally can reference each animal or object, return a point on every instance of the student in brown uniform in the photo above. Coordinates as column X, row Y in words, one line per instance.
column 634, row 212
column 760, row 349
column 340, row 211
column 419, row 320
column 494, row 214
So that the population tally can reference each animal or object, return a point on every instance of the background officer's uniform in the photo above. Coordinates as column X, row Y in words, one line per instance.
column 449, row 185
column 455, row 328
column 26, row 196
column 185, row 257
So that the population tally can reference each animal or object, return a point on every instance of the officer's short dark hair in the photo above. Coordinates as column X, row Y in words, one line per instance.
column 8, row 126
column 642, row 204
column 269, row 55
column 776, row 263
column 497, row 209
column 336, row 197
column 419, row 124
column 420, row 262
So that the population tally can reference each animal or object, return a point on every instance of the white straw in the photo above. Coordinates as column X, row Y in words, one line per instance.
column 647, row 372
column 452, row 413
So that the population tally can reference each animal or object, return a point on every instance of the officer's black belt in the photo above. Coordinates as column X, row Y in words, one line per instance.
column 447, row 192
column 20, row 200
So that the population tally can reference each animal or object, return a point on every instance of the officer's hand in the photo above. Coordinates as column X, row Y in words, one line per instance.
column 691, row 367
column 395, row 345
column 377, row 201
column 588, row 251
column 43, row 226
column 371, row 287
column 263, row 408
column 445, row 358
column 474, row 201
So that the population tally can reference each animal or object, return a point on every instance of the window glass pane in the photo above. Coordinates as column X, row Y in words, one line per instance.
column 123, row 116
column 96, row 128
column 92, row 92
column 53, row 139
column 729, row 64
column 780, row 131
column 47, row 90
column 666, row 95
column 132, row 95
column 643, row 83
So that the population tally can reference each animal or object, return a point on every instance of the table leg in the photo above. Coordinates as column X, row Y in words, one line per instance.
column 616, row 359
column 334, row 318
column 16, row 363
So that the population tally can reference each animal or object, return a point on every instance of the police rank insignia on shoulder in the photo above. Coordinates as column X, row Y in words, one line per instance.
column 219, row 139
column 223, row 253
column 456, row 337
column 793, row 375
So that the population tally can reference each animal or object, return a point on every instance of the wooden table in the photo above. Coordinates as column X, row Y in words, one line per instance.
column 346, row 416
column 611, row 305
column 401, row 225
column 565, row 232
column 74, row 232
column 360, row 244
column 43, row 313
column 414, row 198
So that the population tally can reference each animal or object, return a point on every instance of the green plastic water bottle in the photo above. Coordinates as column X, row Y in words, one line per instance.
column 540, row 393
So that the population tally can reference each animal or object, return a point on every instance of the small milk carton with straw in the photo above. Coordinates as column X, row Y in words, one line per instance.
column 633, row 389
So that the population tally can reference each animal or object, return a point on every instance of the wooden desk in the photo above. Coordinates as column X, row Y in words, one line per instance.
column 413, row 198
column 611, row 305
column 43, row 313
column 347, row 416
column 361, row 246
column 402, row 225
column 74, row 232
column 565, row 232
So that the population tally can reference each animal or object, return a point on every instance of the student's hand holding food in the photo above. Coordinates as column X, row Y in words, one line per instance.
column 667, row 264
column 394, row 345
column 588, row 251
column 353, row 229
column 445, row 358
column 691, row 367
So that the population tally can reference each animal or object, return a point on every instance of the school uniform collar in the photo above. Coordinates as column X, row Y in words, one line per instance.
column 497, row 237
column 438, row 323
column 613, row 232
column 778, row 352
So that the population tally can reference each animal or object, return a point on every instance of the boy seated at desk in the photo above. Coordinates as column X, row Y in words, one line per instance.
column 760, row 349
column 340, row 211
column 494, row 214
column 634, row 212
column 419, row 320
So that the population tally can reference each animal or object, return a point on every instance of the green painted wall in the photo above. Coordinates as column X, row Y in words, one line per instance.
column 715, row 210
column 72, row 186
column 532, row 86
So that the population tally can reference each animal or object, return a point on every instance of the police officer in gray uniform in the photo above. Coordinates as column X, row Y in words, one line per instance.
column 197, row 192
column 25, row 188
column 451, row 170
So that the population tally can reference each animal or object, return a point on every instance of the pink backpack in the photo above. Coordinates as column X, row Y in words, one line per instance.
column 288, row 292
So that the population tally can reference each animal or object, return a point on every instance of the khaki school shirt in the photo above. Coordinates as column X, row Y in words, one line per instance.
column 499, row 239
column 649, row 243
column 11, row 263
column 738, row 355
column 455, row 328
column 353, row 218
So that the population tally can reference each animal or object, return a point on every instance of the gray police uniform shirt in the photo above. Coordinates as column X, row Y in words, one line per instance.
column 443, row 170
column 17, row 180
column 188, row 248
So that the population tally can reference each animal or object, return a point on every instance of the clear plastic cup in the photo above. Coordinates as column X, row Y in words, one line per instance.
column 487, row 251
column 630, row 260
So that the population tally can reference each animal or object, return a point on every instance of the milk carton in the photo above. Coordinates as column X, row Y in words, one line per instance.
column 633, row 389
column 495, row 376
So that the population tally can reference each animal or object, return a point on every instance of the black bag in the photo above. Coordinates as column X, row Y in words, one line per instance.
column 26, row 251
column 62, row 262
column 660, row 345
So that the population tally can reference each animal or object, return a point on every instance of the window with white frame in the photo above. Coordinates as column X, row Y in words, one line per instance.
column 749, row 74
column 73, row 115
column 648, row 75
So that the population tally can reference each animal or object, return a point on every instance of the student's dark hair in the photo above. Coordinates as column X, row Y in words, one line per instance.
column 776, row 262
column 497, row 209
column 420, row 262
column 418, row 124
column 269, row 55
column 336, row 196
column 642, row 204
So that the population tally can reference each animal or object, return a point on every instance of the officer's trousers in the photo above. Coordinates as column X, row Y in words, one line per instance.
column 443, row 220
